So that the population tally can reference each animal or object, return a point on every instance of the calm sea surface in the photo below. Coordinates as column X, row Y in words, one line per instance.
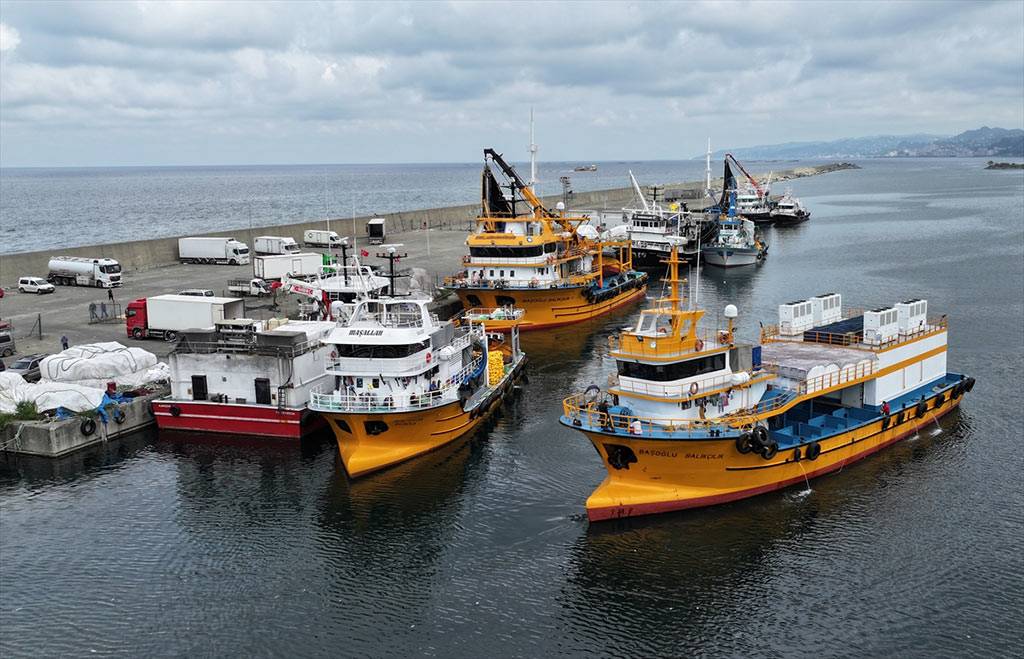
column 208, row 547
column 108, row 205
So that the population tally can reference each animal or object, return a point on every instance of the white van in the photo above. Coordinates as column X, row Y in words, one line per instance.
column 317, row 238
column 36, row 285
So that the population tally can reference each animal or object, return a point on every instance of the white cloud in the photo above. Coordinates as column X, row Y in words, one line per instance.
column 423, row 81
column 9, row 38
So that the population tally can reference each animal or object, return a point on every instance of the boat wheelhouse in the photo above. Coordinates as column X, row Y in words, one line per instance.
column 788, row 210
column 403, row 382
column 246, row 377
column 551, row 265
column 694, row 418
column 652, row 229
column 753, row 205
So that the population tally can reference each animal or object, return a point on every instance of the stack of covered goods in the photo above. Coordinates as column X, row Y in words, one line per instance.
column 46, row 395
column 96, row 364
column 495, row 367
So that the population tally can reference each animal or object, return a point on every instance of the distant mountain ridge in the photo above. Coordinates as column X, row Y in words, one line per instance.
column 983, row 141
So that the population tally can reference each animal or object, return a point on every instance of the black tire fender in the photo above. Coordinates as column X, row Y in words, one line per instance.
column 768, row 452
column 87, row 427
column 174, row 410
column 760, row 436
column 813, row 451
column 744, row 443
column 969, row 385
column 119, row 416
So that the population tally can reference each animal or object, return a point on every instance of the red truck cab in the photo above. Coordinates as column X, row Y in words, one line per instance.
column 135, row 319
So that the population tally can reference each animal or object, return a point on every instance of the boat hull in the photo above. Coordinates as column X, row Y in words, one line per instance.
column 235, row 419
column 789, row 220
column 545, row 307
column 679, row 474
column 367, row 446
column 728, row 257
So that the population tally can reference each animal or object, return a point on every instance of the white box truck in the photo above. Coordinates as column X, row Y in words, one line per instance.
column 225, row 251
column 249, row 287
column 375, row 230
column 279, row 267
column 317, row 238
column 81, row 271
column 276, row 245
column 164, row 316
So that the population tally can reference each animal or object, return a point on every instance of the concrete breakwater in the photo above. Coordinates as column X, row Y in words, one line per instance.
column 137, row 255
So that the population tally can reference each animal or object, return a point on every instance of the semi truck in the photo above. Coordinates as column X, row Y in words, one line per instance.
column 164, row 316
column 249, row 287
column 82, row 271
column 224, row 251
column 276, row 245
column 279, row 267
column 375, row 230
column 317, row 238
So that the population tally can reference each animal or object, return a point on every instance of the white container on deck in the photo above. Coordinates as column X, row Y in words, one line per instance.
column 880, row 325
column 827, row 308
column 912, row 315
column 795, row 318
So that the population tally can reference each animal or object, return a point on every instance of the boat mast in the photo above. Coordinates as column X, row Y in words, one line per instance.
column 533, row 157
column 707, row 169
column 639, row 193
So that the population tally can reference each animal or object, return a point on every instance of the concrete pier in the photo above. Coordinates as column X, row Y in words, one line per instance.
column 55, row 438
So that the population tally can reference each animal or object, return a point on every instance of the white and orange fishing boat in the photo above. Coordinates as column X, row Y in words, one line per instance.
column 551, row 265
column 694, row 418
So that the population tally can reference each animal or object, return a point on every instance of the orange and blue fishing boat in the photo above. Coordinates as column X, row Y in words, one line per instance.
column 552, row 265
column 694, row 418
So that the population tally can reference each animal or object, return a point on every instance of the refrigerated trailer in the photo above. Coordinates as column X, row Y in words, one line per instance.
column 224, row 251
column 164, row 316
column 279, row 267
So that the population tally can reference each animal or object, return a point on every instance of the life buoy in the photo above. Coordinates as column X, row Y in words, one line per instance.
column 119, row 416
column 744, row 443
column 699, row 345
column 694, row 388
column 813, row 451
column 334, row 354
column 87, row 427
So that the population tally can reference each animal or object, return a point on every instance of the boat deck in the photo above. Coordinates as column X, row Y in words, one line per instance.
column 795, row 359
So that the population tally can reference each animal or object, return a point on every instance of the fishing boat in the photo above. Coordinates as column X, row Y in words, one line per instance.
column 753, row 200
column 737, row 244
column 405, row 383
column 246, row 377
column 694, row 418
column 551, row 265
column 652, row 229
column 585, row 168
column 788, row 210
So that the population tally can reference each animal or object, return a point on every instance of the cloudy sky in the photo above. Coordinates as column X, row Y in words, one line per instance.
column 125, row 83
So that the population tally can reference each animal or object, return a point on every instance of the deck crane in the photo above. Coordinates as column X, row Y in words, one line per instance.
column 760, row 193
column 496, row 206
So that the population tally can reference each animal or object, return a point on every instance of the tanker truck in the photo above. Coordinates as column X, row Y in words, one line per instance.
column 82, row 271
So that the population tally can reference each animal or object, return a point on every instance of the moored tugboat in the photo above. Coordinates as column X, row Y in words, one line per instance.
column 693, row 418
column 551, row 265
column 405, row 383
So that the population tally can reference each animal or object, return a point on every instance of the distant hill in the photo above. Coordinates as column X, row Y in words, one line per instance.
column 983, row 141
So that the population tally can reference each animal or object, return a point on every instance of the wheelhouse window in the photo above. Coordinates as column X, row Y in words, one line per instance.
column 669, row 372
column 507, row 252
column 381, row 351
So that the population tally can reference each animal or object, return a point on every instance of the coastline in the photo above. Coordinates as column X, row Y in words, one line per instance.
column 140, row 255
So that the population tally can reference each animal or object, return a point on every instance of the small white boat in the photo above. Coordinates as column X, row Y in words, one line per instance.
column 789, row 210
column 736, row 245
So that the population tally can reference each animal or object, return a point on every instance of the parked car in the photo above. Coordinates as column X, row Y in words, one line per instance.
column 7, row 346
column 27, row 367
column 36, row 285
column 198, row 292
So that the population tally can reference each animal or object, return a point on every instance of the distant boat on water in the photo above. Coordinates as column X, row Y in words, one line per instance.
column 585, row 168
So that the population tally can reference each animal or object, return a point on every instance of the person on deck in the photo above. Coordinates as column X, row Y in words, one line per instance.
column 885, row 408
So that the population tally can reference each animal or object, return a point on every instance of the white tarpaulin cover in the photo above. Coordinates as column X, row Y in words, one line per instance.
column 96, row 364
column 46, row 395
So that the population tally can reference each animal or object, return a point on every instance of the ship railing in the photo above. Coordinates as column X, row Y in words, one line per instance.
column 187, row 346
column 385, row 400
column 630, row 344
column 687, row 391
column 854, row 339
column 587, row 414
column 390, row 365
column 390, row 319
column 481, row 315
